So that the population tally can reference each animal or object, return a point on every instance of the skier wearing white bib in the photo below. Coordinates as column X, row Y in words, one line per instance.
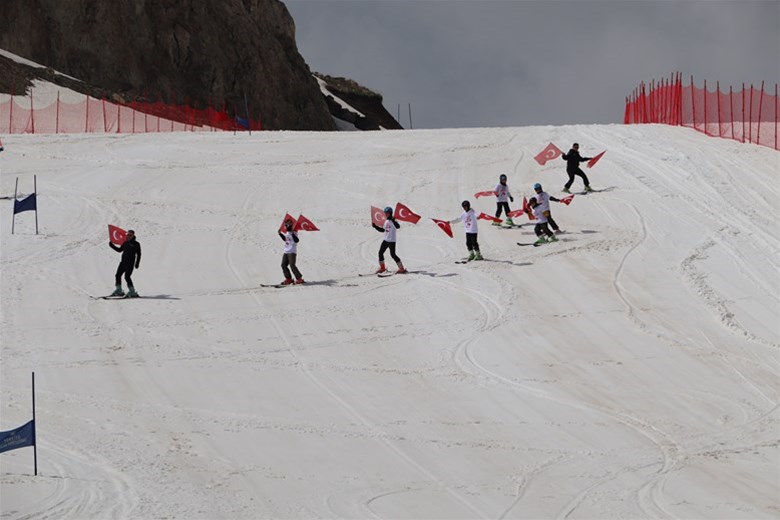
column 544, row 198
column 502, row 194
column 541, row 223
column 469, row 219
column 290, row 254
column 389, row 229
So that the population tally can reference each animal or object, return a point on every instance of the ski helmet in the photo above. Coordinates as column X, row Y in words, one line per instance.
column 466, row 205
column 502, row 177
column 532, row 200
column 388, row 209
column 537, row 186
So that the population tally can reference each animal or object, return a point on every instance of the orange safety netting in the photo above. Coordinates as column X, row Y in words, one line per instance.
column 748, row 115
column 19, row 115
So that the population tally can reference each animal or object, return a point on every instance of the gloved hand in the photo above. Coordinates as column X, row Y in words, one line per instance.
column 511, row 199
column 137, row 266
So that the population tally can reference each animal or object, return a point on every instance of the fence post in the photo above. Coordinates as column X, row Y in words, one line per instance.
column 750, row 116
column 720, row 128
column 706, row 120
column 731, row 110
column 693, row 105
column 760, row 107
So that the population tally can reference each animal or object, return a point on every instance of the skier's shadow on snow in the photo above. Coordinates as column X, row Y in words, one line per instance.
column 160, row 297
column 520, row 264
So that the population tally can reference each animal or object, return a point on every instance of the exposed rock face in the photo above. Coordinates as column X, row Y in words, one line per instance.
column 201, row 51
column 373, row 115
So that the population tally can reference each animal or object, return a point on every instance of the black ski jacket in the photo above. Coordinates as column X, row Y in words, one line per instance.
column 131, row 252
column 573, row 160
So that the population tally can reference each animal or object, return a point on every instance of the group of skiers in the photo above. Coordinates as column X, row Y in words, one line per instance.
column 538, row 206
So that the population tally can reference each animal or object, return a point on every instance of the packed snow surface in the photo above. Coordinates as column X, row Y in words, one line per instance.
column 628, row 371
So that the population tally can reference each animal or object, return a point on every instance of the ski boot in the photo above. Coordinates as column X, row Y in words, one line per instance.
column 299, row 281
column 382, row 268
column 287, row 281
column 588, row 188
column 478, row 256
column 565, row 190
column 509, row 222
column 401, row 269
column 496, row 223
column 472, row 255
column 131, row 292
column 118, row 291
column 552, row 238
column 539, row 241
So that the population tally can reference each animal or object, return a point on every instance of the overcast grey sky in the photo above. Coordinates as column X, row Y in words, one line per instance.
column 473, row 63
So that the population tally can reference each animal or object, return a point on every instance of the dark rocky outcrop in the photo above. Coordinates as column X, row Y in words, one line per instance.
column 374, row 115
column 204, row 52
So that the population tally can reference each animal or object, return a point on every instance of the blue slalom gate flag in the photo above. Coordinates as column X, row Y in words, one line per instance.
column 21, row 437
column 242, row 122
column 26, row 204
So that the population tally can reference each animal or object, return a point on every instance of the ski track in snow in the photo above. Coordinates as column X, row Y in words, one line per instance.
column 608, row 375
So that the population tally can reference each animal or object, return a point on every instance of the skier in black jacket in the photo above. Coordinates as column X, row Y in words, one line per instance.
column 131, row 257
column 573, row 160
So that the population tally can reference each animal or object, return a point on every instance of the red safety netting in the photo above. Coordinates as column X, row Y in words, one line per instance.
column 19, row 115
column 747, row 115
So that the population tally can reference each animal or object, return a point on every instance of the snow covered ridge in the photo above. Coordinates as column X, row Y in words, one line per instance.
column 627, row 371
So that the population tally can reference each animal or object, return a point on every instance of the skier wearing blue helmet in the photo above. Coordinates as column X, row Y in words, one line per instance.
column 389, row 229
column 543, row 199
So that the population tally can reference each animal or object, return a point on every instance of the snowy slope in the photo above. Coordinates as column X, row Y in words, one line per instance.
column 630, row 370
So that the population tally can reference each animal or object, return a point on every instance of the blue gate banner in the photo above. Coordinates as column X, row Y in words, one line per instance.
column 19, row 438
column 26, row 204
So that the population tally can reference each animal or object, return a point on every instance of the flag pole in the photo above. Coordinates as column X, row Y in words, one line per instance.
column 35, row 440
column 35, row 190
column 13, row 221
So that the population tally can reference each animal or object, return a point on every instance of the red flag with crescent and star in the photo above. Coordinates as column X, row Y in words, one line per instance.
column 116, row 235
column 548, row 154
column 378, row 216
column 287, row 217
column 567, row 200
column 527, row 209
column 595, row 159
column 484, row 194
column 404, row 214
column 444, row 226
column 304, row 224
column 485, row 216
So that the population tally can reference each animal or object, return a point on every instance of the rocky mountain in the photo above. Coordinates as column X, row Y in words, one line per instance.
column 207, row 53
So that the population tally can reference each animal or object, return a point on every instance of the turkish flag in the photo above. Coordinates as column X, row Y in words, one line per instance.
column 484, row 194
column 404, row 214
column 485, row 216
column 444, row 226
column 116, row 235
column 567, row 200
column 378, row 216
column 304, row 224
column 595, row 159
column 515, row 213
column 548, row 154
column 527, row 209
column 287, row 217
